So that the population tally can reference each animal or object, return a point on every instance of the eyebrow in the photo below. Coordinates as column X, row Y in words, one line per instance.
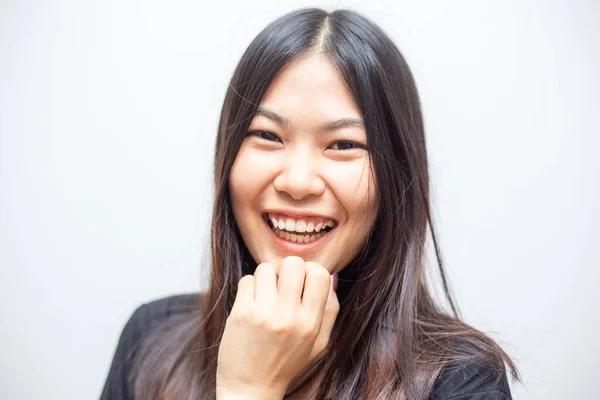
column 326, row 127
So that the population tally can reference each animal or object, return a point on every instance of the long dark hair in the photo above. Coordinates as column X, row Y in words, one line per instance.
column 391, row 338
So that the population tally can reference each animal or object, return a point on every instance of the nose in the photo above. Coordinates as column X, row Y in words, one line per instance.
column 299, row 177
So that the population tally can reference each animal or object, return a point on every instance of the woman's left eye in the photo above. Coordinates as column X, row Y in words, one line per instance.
column 346, row 145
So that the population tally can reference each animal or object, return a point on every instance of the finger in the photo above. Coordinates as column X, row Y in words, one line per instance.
column 245, row 292
column 316, row 290
column 330, row 314
column 265, row 285
column 290, row 282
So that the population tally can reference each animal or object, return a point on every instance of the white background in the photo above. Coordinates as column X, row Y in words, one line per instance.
column 108, row 114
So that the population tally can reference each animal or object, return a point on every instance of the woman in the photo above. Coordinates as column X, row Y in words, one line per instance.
column 320, row 170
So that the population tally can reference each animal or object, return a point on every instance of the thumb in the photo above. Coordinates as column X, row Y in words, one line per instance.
column 332, row 308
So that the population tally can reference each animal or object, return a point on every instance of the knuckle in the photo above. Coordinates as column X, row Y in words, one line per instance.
column 293, row 260
column 332, row 306
column 309, row 331
column 263, row 267
column 238, row 317
column 318, row 271
column 309, row 326
column 282, row 328
column 246, row 279
column 261, row 321
column 282, row 324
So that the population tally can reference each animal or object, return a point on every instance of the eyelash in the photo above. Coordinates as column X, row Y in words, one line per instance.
column 272, row 135
column 259, row 134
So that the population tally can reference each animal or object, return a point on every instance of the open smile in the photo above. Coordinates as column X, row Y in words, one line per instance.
column 298, row 235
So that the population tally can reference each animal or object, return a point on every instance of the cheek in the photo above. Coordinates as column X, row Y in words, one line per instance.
column 250, row 174
column 240, row 189
column 354, row 187
column 245, row 176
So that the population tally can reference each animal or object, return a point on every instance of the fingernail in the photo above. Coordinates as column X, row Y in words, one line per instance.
column 335, row 281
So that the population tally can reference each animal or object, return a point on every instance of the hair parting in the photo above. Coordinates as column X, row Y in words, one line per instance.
column 391, row 338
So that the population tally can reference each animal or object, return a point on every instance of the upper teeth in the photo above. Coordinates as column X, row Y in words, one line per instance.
column 299, row 225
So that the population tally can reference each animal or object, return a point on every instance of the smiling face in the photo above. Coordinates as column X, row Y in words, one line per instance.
column 302, row 183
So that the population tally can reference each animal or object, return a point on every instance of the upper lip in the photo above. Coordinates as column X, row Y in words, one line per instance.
column 297, row 213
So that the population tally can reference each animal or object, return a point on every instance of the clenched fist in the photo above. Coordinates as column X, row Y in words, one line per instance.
column 280, row 322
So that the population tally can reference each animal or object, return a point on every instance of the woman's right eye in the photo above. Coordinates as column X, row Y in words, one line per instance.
column 265, row 135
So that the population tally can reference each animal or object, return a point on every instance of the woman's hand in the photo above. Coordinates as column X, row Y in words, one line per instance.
column 280, row 322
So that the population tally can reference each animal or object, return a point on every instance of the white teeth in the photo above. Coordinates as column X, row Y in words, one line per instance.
column 290, row 225
column 300, row 226
column 293, row 226
column 292, row 237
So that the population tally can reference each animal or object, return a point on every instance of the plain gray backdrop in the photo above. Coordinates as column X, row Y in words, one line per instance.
column 108, row 115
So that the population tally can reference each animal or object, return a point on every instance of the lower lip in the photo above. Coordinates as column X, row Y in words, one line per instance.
column 294, row 247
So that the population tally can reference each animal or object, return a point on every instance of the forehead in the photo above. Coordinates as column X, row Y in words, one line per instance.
column 311, row 87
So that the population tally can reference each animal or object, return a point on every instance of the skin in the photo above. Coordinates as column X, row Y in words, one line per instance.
column 283, row 315
column 303, row 168
column 280, row 322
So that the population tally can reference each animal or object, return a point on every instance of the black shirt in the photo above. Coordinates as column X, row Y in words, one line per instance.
column 456, row 382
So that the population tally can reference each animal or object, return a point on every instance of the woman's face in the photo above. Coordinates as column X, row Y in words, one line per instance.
column 302, row 183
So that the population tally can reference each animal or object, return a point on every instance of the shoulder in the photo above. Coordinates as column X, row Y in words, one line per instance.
column 156, row 311
column 152, row 313
column 469, row 377
column 142, row 321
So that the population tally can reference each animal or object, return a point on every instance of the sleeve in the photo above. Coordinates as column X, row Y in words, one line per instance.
column 471, row 382
column 141, row 322
column 117, row 386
